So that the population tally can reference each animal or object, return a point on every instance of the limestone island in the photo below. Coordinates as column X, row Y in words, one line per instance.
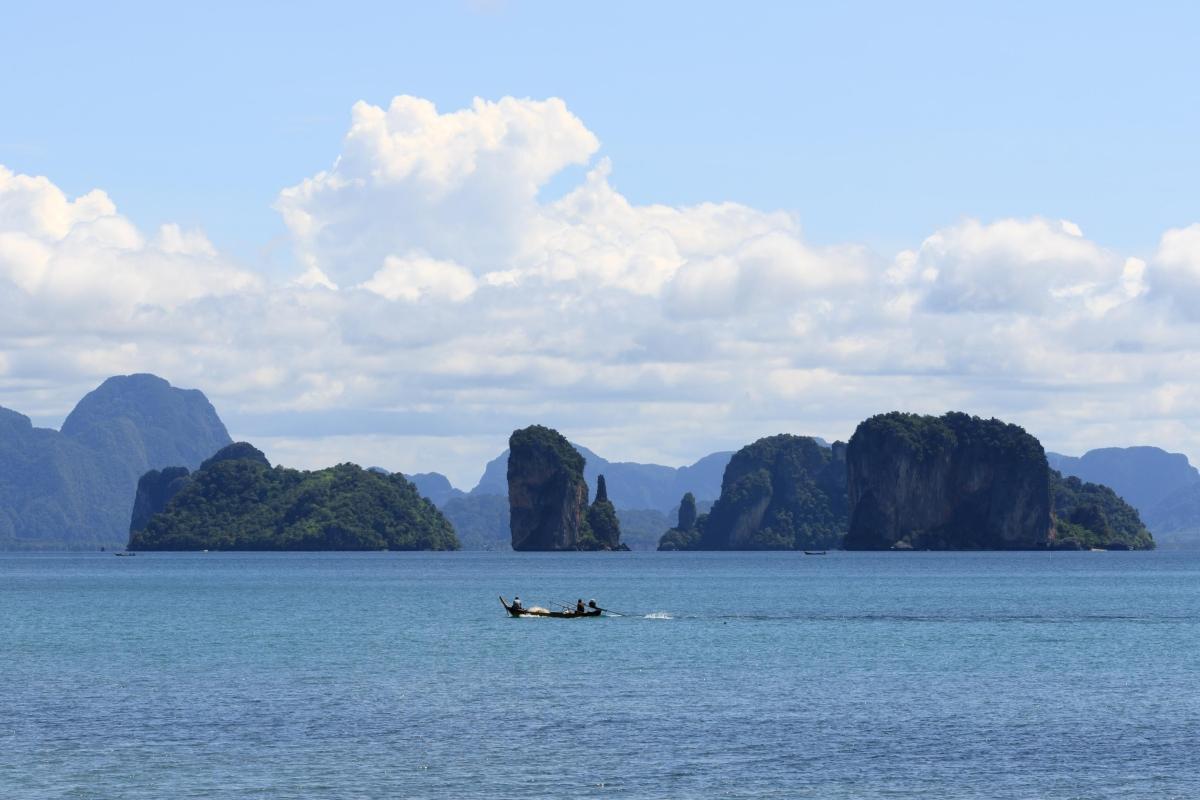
column 780, row 493
column 958, row 482
column 907, row 482
column 548, row 496
column 237, row 501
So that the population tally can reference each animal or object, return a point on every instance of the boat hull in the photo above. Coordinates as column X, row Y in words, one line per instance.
column 542, row 612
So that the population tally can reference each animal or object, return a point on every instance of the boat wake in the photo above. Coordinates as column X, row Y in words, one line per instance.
column 658, row 615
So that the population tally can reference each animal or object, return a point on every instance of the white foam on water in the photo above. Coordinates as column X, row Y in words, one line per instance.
column 658, row 615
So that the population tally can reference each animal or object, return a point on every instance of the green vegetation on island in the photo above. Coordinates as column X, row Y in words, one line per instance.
column 237, row 501
column 603, row 531
column 782, row 492
column 1088, row 515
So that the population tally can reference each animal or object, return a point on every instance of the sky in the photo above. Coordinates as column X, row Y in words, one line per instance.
column 394, row 234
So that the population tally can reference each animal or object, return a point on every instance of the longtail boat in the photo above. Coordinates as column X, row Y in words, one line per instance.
column 538, row 611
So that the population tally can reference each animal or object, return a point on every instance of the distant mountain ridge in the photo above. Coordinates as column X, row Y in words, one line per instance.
column 435, row 486
column 630, row 484
column 76, row 487
column 1164, row 487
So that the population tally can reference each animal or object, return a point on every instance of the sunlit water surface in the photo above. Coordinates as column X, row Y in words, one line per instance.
column 757, row 675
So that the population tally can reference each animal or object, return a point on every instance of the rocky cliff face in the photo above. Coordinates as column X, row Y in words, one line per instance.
column 780, row 493
column 946, row 483
column 155, row 489
column 547, row 495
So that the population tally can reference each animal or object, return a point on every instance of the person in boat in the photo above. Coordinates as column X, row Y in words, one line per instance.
column 579, row 607
column 517, row 604
column 592, row 605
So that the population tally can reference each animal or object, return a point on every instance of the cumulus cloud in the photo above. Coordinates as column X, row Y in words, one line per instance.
column 440, row 301
column 462, row 189
column 460, row 186
column 1010, row 265
column 70, row 254
column 414, row 276
column 1177, row 269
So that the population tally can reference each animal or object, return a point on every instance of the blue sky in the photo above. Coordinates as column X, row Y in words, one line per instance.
column 872, row 121
column 872, row 126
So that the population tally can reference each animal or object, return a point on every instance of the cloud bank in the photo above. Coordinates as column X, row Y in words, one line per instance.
column 441, row 300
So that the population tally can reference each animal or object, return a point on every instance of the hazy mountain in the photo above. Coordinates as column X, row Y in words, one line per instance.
column 1164, row 487
column 1175, row 520
column 435, row 486
column 630, row 485
column 1144, row 476
column 76, row 487
column 52, row 487
column 480, row 520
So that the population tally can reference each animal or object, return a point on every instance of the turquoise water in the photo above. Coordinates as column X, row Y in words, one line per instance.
column 757, row 675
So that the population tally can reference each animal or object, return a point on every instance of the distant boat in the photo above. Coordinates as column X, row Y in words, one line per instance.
column 538, row 611
column 126, row 553
column 1099, row 550
column 814, row 552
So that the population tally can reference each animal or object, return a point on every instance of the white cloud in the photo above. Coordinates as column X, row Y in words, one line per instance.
column 1011, row 266
column 461, row 189
column 73, row 256
column 1176, row 277
column 415, row 276
column 460, row 186
column 36, row 207
column 440, row 303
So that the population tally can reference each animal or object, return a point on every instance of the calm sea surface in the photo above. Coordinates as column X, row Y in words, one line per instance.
column 906, row 675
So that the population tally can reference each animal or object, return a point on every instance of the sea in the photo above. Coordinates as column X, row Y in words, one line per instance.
column 726, row 675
